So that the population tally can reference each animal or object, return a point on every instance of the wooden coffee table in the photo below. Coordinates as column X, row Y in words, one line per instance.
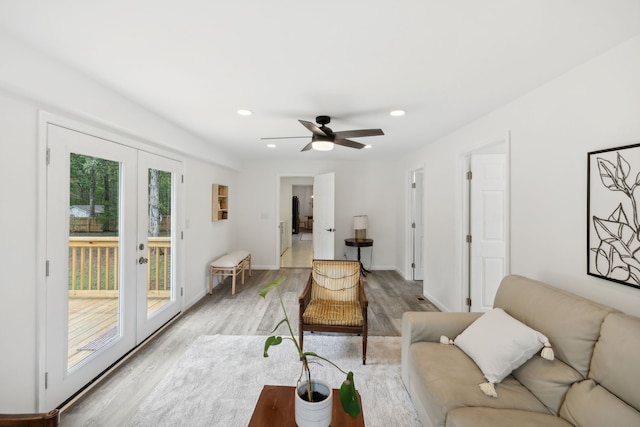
column 275, row 407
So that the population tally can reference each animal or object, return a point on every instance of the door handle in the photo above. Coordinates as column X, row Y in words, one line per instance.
column 331, row 230
column 143, row 260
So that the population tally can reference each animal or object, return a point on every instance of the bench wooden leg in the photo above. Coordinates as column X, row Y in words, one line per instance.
column 233, row 281
column 210, row 280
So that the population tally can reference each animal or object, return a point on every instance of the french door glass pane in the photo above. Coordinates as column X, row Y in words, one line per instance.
column 93, row 296
column 159, row 266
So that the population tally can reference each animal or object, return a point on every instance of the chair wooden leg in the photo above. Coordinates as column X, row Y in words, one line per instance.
column 364, row 349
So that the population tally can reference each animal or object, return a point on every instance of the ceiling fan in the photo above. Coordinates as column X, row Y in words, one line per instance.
column 324, row 139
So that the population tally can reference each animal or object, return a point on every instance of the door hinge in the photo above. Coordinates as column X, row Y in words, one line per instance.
column 413, row 265
column 468, row 301
column 181, row 291
column 413, row 225
column 182, row 235
column 46, row 268
column 469, row 175
column 46, row 380
column 182, row 178
column 413, row 185
column 48, row 155
column 468, row 238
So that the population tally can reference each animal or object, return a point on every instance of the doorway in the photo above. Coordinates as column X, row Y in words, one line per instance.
column 317, row 238
column 296, row 221
column 111, row 250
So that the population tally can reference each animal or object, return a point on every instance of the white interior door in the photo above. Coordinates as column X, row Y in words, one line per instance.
column 90, row 288
column 323, row 216
column 489, row 228
column 417, row 224
column 157, row 297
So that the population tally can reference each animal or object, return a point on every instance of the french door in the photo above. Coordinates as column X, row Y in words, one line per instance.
column 157, row 244
column 111, row 253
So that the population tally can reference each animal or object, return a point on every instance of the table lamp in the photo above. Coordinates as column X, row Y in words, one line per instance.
column 360, row 224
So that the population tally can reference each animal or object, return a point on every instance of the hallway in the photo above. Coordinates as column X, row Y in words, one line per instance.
column 300, row 254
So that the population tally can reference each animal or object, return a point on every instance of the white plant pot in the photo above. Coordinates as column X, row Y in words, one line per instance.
column 314, row 414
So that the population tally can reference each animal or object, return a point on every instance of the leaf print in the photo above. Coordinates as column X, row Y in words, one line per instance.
column 623, row 169
column 603, row 265
column 607, row 174
column 618, row 215
column 621, row 237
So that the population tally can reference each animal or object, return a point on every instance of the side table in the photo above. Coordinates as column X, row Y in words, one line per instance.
column 360, row 243
column 275, row 407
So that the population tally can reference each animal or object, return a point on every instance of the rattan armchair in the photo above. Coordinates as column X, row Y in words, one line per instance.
column 334, row 300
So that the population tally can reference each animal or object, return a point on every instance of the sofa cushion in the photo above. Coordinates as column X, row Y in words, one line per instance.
column 591, row 405
column 616, row 361
column 548, row 380
column 443, row 377
column 571, row 323
column 491, row 417
column 498, row 343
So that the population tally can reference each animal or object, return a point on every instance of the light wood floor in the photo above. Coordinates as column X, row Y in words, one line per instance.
column 300, row 253
column 116, row 397
column 90, row 317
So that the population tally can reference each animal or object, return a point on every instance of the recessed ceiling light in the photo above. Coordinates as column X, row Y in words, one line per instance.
column 271, row 145
column 368, row 146
column 397, row 113
column 245, row 112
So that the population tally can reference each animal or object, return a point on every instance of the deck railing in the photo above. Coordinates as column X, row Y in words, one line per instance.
column 93, row 265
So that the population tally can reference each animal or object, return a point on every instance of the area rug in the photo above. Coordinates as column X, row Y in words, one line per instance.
column 218, row 380
column 306, row 236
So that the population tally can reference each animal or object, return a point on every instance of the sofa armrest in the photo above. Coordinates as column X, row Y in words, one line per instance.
column 429, row 326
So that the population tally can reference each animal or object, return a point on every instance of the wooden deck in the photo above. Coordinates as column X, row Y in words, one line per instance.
column 93, row 317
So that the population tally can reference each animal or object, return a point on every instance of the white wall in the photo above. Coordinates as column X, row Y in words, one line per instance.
column 206, row 240
column 18, row 244
column 29, row 82
column 595, row 106
column 360, row 188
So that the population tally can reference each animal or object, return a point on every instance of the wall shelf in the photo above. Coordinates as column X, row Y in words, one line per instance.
column 219, row 202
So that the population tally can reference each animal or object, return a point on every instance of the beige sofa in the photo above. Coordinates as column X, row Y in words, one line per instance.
column 594, row 380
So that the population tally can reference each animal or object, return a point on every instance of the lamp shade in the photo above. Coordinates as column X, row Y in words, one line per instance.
column 360, row 222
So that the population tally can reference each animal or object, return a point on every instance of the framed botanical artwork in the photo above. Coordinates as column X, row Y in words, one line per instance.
column 613, row 214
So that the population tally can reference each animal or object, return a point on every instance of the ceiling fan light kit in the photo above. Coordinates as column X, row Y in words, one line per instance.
column 321, row 143
column 324, row 139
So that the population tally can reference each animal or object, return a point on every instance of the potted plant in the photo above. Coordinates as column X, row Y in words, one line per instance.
column 309, row 387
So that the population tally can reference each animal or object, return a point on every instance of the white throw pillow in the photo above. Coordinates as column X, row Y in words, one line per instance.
column 498, row 344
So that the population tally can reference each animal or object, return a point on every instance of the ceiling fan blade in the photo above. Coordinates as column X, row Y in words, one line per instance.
column 359, row 133
column 313, row 128
column 307, row 147
column 286, row 137
column 348, row 143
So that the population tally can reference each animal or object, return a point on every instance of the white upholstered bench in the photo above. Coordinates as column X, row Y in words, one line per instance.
column 231, row 264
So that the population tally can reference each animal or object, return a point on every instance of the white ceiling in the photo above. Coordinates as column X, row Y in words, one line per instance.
column 446, row 62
